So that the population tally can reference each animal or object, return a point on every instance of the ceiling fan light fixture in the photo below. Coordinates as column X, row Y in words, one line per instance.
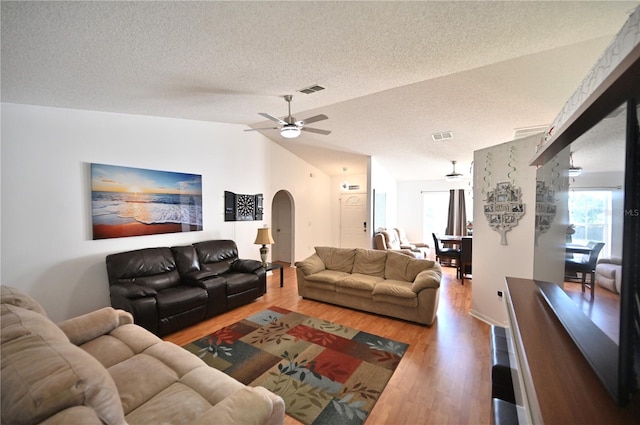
column 453, row 176
column 290, row 131
column 573, row 171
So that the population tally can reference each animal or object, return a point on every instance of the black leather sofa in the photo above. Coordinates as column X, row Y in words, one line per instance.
column 167, row 289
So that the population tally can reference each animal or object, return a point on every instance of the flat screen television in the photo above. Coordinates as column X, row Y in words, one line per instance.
column 618, row 93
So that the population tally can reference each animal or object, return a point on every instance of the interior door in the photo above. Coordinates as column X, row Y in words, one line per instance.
column 353, row 220
column 282, row 228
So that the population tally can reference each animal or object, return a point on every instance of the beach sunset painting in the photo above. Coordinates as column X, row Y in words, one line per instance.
column 129, row 201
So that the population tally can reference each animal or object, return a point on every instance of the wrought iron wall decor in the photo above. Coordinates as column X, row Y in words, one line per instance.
column 504, row 208
column 545, row 198
column 545, row 208
column 242, row 207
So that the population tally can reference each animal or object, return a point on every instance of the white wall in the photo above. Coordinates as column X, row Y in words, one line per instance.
column 549, row 247
column 383, row 182
column 46, row 240
column 492, row 262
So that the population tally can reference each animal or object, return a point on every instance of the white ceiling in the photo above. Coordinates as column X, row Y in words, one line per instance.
column 394, row 72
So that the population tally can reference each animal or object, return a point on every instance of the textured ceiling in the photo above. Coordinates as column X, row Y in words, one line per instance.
column 394, row 72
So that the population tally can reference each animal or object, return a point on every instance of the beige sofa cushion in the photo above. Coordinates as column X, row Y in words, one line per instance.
column 339, row 259
column 13, row 296
column 43, row 374
column 358, row 284
column 370, row 262
column 403, row 267
column 327, row 276
column 395, row 292
column 311, row 265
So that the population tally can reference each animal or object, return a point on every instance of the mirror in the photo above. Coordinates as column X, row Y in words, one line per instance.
column 580, row 199
column 580, row 202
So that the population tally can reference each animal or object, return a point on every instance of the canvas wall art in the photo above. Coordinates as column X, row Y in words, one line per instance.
column 128, row 201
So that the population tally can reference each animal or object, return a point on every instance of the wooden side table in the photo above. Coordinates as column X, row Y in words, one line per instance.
column 274, row 266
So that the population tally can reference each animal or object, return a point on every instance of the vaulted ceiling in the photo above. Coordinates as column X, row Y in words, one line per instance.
column 393, row 72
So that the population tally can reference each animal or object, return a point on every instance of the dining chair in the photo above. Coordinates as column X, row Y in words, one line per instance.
column 585, row 265
column 448, row 253
column 466, row 251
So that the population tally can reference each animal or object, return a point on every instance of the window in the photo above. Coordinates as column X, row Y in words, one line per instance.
column 590, row 213
column 436, row 210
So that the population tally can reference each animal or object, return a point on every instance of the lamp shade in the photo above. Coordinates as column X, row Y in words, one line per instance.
column 264, row 237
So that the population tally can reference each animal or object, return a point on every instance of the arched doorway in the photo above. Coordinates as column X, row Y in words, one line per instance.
column 283, row 226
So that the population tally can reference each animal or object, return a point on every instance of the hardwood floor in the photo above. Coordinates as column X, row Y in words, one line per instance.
column 443, row 378
column 603, row 309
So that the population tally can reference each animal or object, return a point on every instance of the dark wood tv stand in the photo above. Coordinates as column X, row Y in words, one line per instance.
column 554, row 383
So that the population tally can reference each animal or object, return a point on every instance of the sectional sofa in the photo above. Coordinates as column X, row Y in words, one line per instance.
column 101, row 369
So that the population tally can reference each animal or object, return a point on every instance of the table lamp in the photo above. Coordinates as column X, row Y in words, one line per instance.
column 264, row 238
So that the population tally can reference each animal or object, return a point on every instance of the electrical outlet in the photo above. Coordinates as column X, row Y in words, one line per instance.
column 500, row 294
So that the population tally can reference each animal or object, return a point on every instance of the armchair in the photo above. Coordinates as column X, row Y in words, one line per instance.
column 388, row 241
column 609, row 273
column 413, row 246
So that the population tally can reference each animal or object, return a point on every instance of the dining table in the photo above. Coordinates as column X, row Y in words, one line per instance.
column 450, row 239
column 571, row 248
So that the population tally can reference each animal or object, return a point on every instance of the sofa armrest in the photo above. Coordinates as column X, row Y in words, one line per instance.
column 610, row 260
column 247, row 406
column 193, row 278
column 408, row 246
column 427, row 279
column 132, row 291
column 246, row 266
column 419, row 244
column 311, row 265
column 404, row 251
column 89, row 326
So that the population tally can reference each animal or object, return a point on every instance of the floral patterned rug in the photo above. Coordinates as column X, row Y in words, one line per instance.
column 325, row 372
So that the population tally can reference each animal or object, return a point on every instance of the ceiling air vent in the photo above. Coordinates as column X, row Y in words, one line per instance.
column 445, row 135
column 519, row 133
column 311, row 89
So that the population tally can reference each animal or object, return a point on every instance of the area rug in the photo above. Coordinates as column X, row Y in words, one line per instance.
column 325, row 372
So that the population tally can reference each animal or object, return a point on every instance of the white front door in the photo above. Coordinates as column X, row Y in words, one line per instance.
column 353, row 221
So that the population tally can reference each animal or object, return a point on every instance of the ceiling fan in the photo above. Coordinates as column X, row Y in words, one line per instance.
column 289, row 127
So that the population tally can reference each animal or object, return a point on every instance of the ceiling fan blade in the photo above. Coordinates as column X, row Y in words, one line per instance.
column 315, row 130
column 264, row 128
column 272, row 118
column 313, row 119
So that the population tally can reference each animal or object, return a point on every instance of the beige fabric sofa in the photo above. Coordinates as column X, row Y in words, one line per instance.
column 102, row 369
column 609, row 273
column 382, row 282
